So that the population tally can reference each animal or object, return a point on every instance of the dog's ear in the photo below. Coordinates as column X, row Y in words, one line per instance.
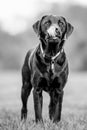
column 69, row 30
column 36, row 27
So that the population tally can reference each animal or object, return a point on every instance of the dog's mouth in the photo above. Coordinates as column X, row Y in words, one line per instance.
column 53, row 39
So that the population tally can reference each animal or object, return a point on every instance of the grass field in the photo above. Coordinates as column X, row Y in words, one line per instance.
column 74, row 113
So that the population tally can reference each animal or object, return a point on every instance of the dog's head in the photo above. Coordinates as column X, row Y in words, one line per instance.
column 53, row 29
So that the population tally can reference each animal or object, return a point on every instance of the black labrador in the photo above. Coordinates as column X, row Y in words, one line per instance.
column 46, row 67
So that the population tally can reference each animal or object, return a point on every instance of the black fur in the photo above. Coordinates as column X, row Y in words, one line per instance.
column 38, row 74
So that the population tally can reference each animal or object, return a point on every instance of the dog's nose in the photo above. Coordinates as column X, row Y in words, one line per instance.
column 57, row 31
column 53, row 31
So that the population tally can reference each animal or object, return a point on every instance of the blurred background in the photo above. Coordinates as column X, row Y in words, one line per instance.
column 17, row 37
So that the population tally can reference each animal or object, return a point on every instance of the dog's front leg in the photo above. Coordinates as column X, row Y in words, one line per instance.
column 25, row 92
column 38, row 101
column 58, row 106
column 51, row 106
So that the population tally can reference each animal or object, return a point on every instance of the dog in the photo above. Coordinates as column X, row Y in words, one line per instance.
column 46, row 67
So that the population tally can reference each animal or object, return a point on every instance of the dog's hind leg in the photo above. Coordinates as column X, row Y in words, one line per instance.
column 25, row 92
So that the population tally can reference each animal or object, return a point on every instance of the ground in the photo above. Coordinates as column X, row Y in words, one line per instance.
column 74, row 113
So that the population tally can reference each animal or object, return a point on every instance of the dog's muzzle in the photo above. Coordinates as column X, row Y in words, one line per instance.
column 53, row 34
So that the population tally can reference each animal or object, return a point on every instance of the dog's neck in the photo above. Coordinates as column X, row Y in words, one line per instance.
column 51, row 50
column 50, row 61
column 52, row 58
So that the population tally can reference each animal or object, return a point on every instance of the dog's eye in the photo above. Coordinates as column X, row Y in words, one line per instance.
column 47, row 23
column 60, row 23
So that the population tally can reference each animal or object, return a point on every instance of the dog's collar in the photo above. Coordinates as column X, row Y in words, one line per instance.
column 53, row 57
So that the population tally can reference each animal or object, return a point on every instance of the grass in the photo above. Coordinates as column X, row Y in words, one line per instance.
column 74, row 113
column 11, row 121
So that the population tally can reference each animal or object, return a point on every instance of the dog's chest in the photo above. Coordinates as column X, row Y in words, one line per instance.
column 52, row 70
column 53, row 67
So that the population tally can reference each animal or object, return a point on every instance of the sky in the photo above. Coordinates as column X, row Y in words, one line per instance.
column 82, row 2
column 14, row 14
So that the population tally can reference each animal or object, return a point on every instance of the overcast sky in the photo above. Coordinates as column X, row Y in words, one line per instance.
column 82, row 2
column 13, row 13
